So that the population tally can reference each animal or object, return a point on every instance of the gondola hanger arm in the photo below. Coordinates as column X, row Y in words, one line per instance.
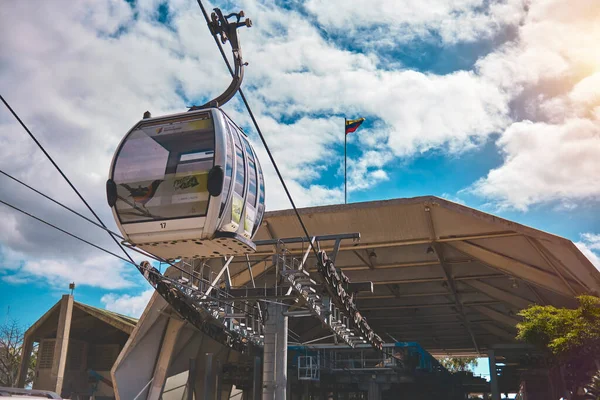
column 220, row 25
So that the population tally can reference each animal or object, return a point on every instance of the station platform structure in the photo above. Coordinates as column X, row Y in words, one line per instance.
column 448, row 278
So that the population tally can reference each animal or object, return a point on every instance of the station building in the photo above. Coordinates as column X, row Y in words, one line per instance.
column 446, row 280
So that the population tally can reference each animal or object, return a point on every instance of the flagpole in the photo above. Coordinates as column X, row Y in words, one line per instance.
column 345, row 178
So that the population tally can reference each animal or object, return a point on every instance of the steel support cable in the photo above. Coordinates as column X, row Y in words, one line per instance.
column 61, row 205
column 142, row 252
column 150, row 255
column 64, row 231
column 241, row 92
column 108, row 251
column 65, row 177
column 111, row 234
column 103, row 226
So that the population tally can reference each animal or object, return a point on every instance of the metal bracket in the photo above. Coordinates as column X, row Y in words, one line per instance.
column 219, row 25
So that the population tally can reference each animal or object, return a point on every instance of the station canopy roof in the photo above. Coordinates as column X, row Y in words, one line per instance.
column 445, row 275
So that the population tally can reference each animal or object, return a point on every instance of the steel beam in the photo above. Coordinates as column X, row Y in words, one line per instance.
column 367, row 263
column 500, row 294
column 543, row 253
column 501, row 333
column 412, row 318
column 496, row 315
column 246, row 275
column 439, row 253
column 216, row 280
column 438, row 279
column 432, row 324
column 434, row 305
column 281, row 291
column 322, row 238
column 410, row 242
column 513, row 267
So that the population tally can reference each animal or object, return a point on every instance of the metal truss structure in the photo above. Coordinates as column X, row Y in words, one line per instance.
column 235, row 316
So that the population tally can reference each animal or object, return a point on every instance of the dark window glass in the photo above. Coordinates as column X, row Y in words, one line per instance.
column 252, row 187
column 240, row 174
column 162, row 168
column 228, row 168
column 260, row 209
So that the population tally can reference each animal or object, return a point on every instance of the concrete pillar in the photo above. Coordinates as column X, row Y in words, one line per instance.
column 275, row 353
column 282, row 345
column 61, row 346
column 209, row 381
column 190, row 380
column 374, row 391
column 493, row 375
column 25, row 359
column 257, row 381
column 164, row 358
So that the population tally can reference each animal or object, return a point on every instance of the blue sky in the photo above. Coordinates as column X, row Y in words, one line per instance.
column 493, row 104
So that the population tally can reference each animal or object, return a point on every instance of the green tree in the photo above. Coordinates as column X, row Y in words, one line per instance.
column 458, row 364
column 11, row 345
column 570, row 336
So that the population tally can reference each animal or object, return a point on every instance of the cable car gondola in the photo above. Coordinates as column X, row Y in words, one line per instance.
column 189, row 185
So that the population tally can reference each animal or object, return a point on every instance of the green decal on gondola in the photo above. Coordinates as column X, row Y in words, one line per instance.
column 236, row 209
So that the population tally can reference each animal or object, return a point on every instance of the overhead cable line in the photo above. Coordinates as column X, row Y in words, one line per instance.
column 110, row 252
column 61, row 204
column 206, row 17
column 150, row 255
column 112, row 234
column 64, row 231
column 65, row 177
column 142, row 252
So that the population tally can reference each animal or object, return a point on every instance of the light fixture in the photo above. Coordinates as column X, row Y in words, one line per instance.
column 513, row 283
column 430, row 250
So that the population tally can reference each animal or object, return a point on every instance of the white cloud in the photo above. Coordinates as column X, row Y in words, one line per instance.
column 126, row 304
column 81, row 74
column 402, row 21
column 592, row 240
column 589, row 246
column 99, row 271
column 551, row 152
column 545, row 163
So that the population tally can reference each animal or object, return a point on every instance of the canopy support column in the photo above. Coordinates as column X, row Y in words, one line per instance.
column 61, row 346
column 493, row 375
column 275, row 353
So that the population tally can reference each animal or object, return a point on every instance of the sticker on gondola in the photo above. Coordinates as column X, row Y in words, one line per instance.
column 249, row 222
column 236, row 209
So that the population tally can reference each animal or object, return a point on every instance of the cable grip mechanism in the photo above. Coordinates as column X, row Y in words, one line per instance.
column 220, row 25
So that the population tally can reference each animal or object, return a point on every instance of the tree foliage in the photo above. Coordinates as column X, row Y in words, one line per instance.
column 11, row 346
column 458, row 364
column 564, row 332
column 571, row 336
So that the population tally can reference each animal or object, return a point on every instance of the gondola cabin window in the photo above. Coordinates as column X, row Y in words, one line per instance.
column 162, row 168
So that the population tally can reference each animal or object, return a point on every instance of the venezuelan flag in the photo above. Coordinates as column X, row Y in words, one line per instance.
column 353, row 124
